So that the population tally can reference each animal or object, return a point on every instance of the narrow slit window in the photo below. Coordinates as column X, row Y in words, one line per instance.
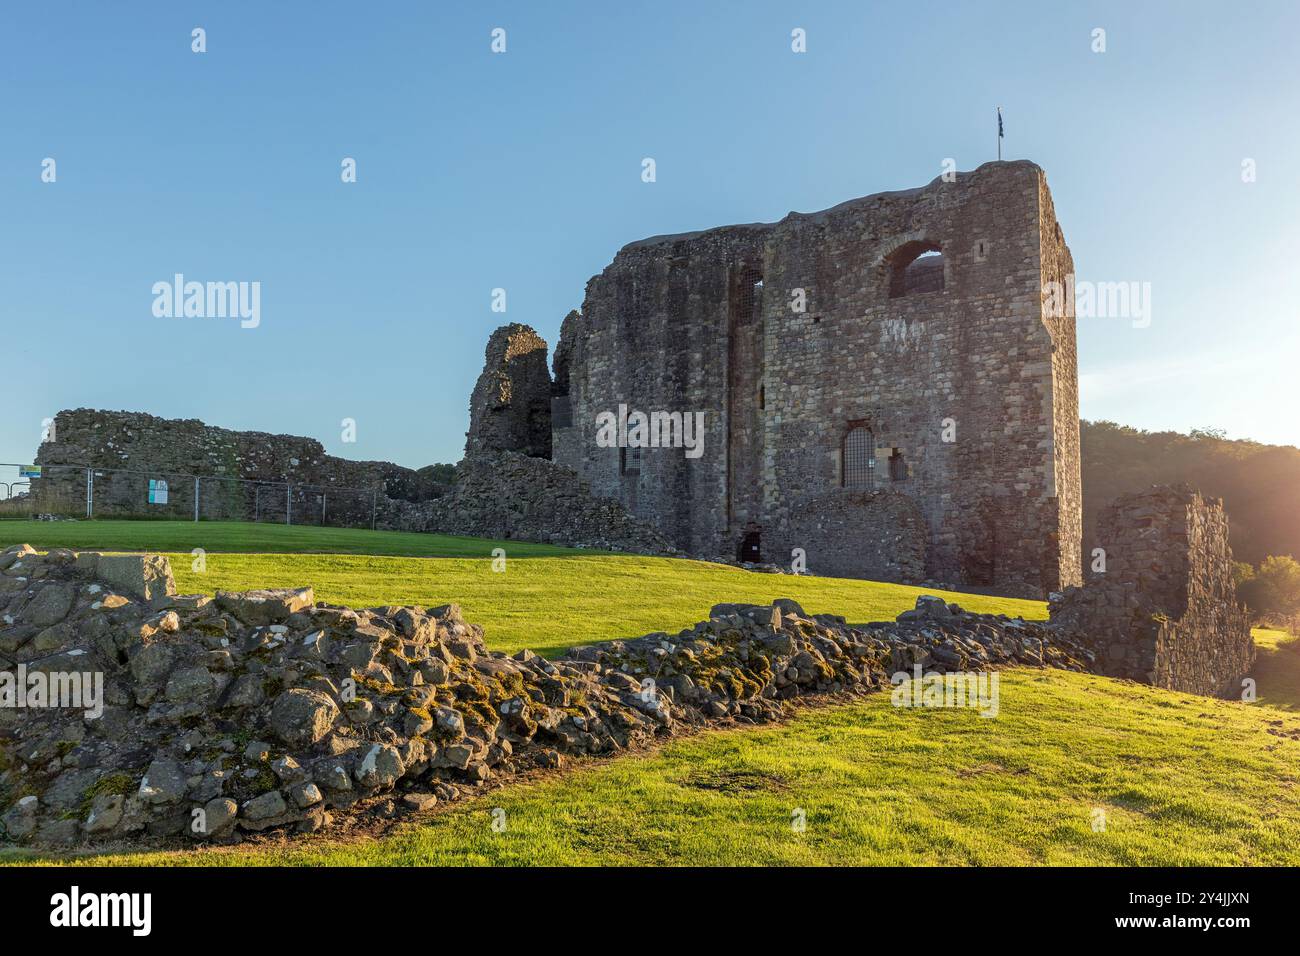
column 897, row 466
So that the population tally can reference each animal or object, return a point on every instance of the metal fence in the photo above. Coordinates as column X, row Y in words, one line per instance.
column 81, row 491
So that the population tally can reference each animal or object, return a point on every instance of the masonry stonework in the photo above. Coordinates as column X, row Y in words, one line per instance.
column 900, row 342
column 128, row 448
column 1165, row 610
column 510, row 408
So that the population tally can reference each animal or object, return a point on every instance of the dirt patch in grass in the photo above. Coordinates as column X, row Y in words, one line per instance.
column 737, row 781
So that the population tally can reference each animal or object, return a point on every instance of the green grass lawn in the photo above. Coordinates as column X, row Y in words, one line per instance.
column 545, row 603
column 1181, row 780
column 1277, row 671
column 241, row 536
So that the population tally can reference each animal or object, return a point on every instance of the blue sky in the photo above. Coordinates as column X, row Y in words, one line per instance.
column 522, row 171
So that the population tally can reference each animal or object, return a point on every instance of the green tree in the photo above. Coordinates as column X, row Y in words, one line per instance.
column 1274, row 589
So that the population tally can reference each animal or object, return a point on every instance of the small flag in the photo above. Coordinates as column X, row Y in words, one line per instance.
column 1000, row 122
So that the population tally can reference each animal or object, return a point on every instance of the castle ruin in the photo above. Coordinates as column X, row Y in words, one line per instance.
column 1162, row 607
column 883, row 386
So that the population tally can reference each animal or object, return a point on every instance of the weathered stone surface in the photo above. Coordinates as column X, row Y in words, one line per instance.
column 269, row 804
column 1165, row 610
column 510, row 408
column 50, row 605
column 704, row 322
column 266, row 606
column 302, row 717
column 14, row 553
column 141, row 575
column 132, row 441
column 105, row 813
column 220, row 815
column 20, row 819
column 879, row 535
column 510, row 495
column 163, row 782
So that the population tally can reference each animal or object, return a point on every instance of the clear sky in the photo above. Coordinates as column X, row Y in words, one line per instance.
column 522, row 171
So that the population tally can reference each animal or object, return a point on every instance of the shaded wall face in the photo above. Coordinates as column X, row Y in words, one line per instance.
column 954, row 384
column 510, row 407
column 654, row 336
column 1165, row 609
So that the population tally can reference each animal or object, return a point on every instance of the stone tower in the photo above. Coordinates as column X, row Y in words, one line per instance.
column 884, row 386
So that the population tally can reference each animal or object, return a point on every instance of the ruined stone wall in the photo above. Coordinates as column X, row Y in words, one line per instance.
column 127, row 448
column 223, row 716
column 510, row 408
column 513, row 496
column 706, row 322
column 1165, row 610
column 1057, row 266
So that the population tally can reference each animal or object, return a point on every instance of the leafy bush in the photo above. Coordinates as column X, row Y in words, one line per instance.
column 1271, row 591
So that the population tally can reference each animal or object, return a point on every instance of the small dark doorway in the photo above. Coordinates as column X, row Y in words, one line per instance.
column 751, row 547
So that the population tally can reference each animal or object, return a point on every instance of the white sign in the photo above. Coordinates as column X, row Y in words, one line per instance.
column 157, row 491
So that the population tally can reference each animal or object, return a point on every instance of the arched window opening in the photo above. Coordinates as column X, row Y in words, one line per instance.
column 858, row 454
column 915, row 267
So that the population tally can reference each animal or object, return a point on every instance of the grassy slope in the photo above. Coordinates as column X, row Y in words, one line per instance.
column 237, row 536
column 1182, row 780
column 547, row 604
column 1277, row 672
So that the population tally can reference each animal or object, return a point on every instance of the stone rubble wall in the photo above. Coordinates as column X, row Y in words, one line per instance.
column 268, row 709
column 166, row 448
column 1165, row 611
column 513, row 496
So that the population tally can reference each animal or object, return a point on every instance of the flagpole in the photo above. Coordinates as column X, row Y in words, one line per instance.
column 999, row 134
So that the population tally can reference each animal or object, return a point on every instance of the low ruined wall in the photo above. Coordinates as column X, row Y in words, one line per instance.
column 131, row 447
column 1165, row 610
column 258, row 710
column 509, row 495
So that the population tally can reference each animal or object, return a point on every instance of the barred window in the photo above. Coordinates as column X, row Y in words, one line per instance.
column 858, row 455
column 629, row 461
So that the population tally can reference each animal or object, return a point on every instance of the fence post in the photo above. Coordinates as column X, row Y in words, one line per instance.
column 288, row 504
column 90, row 492
column 324, row 496
column 374, row 498
column 196, row 498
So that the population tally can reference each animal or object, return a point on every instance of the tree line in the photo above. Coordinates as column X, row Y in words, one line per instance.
column 1259, row 485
